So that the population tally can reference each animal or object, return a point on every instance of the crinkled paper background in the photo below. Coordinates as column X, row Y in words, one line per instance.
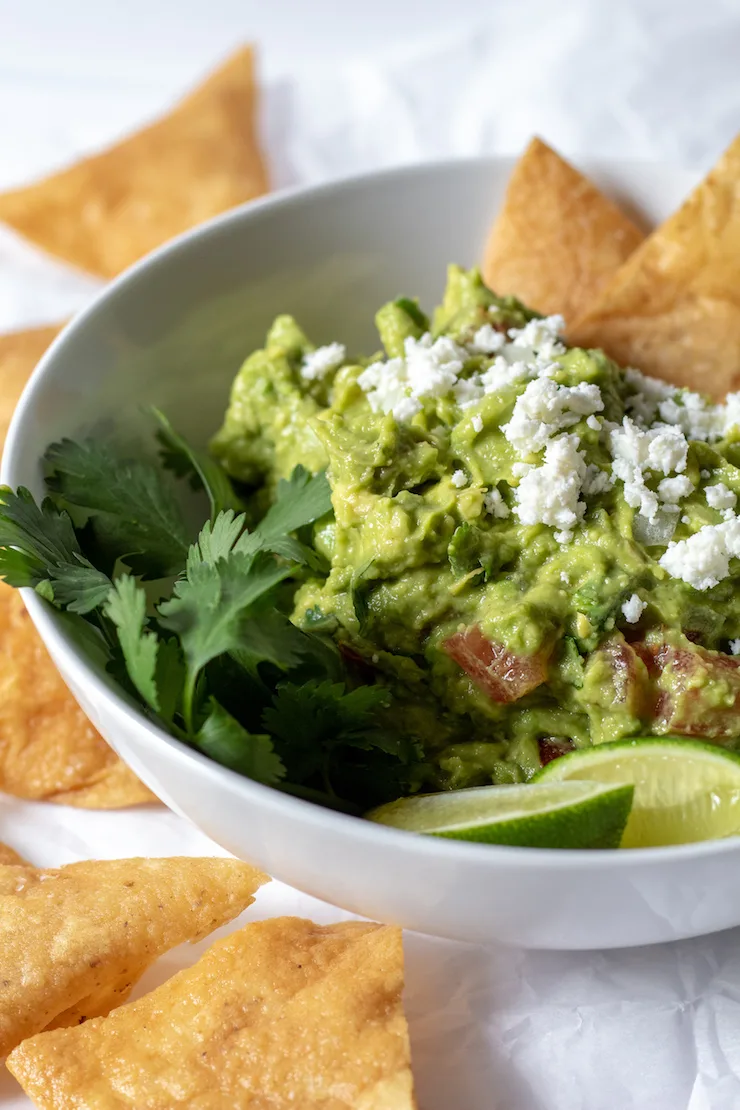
column 349, row 88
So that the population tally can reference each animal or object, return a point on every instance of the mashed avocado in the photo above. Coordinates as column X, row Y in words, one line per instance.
column 532, row 547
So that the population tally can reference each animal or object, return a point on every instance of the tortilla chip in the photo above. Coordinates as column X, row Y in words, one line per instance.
column 19, row 353
column 107, row 211
column 87, row 931
column 283, row 1014
column 48, row 749
column 9, row 856
column 557, row 240
column 673, row 309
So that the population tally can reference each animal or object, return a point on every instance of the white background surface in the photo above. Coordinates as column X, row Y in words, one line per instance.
column 349, row 87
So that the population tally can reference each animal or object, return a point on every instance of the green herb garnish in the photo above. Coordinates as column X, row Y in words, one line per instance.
column 195, row 627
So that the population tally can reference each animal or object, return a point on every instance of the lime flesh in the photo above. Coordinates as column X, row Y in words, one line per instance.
column 685, row 790
column 550, row 815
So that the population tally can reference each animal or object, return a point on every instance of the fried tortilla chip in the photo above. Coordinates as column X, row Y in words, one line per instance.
column 673, row 309
column 283, row 1014
column 107, row 211
column 10, row 856
column 48, row 749
column 83, row 934
column 557, row 240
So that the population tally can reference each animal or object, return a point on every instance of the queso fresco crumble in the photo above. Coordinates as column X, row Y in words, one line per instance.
column 528, row 540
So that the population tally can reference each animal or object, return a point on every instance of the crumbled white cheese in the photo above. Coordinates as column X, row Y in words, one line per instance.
column 594, row 423
column 477, row 423
column 546, row 408
column 428, row 369
column 689, row 411
column 636, row 451
column 565, row 578
column 459, row 479
column 703, row 559
column 671, row 490
column 633, row 608
column 550, row 494
column 468, row 391
column 705, row 474
column 487, row 341
column 432, row 367
column 386, row 388
column 501, row 374
column 540, row 336
column 698, row 418
column 596, row 480
column 494, row 504
column 317, row 364
column 720, row 497
column 735, row 647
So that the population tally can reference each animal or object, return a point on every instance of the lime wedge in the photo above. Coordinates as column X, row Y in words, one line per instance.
column 685, row 790
column 557, row 815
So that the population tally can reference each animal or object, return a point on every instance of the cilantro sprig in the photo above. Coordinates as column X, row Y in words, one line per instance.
column 195, row 627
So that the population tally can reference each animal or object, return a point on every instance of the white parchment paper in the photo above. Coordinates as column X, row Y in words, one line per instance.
column 491, row 1029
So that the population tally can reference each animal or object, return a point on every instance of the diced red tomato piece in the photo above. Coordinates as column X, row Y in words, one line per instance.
column 698, row 691
column 498, row 672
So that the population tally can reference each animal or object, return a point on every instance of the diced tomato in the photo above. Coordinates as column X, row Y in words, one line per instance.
column 622, row 676
column 500, row 673
column 552, row 748
column 698, row 691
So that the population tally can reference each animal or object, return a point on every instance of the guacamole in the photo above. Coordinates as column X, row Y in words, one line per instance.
column 532, row 548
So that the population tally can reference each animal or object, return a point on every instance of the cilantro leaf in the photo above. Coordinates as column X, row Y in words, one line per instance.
column 227, row 742
column 311, row 719
column 45, row 549
column 126, row 608
column 270, row 638
column 169, row 677
column 19, row 569
column 135, row 512
column 216, row 538
column 210, row 605
column 299, row 500
column 78, row 586
column 198, row 467
column 228, row 533
column 44, row 534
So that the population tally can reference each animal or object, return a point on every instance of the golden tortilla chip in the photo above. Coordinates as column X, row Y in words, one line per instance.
column 284, row 1014
column 10, row 856
column 87, row 931
column 107, row 211
column 48, row 749
column 673, row 309
column 557, row 240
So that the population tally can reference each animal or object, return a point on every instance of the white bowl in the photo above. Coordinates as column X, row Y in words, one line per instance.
column 173, row 331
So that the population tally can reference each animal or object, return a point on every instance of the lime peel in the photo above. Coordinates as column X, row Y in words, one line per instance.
column 685, row 790
column 549, row 815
